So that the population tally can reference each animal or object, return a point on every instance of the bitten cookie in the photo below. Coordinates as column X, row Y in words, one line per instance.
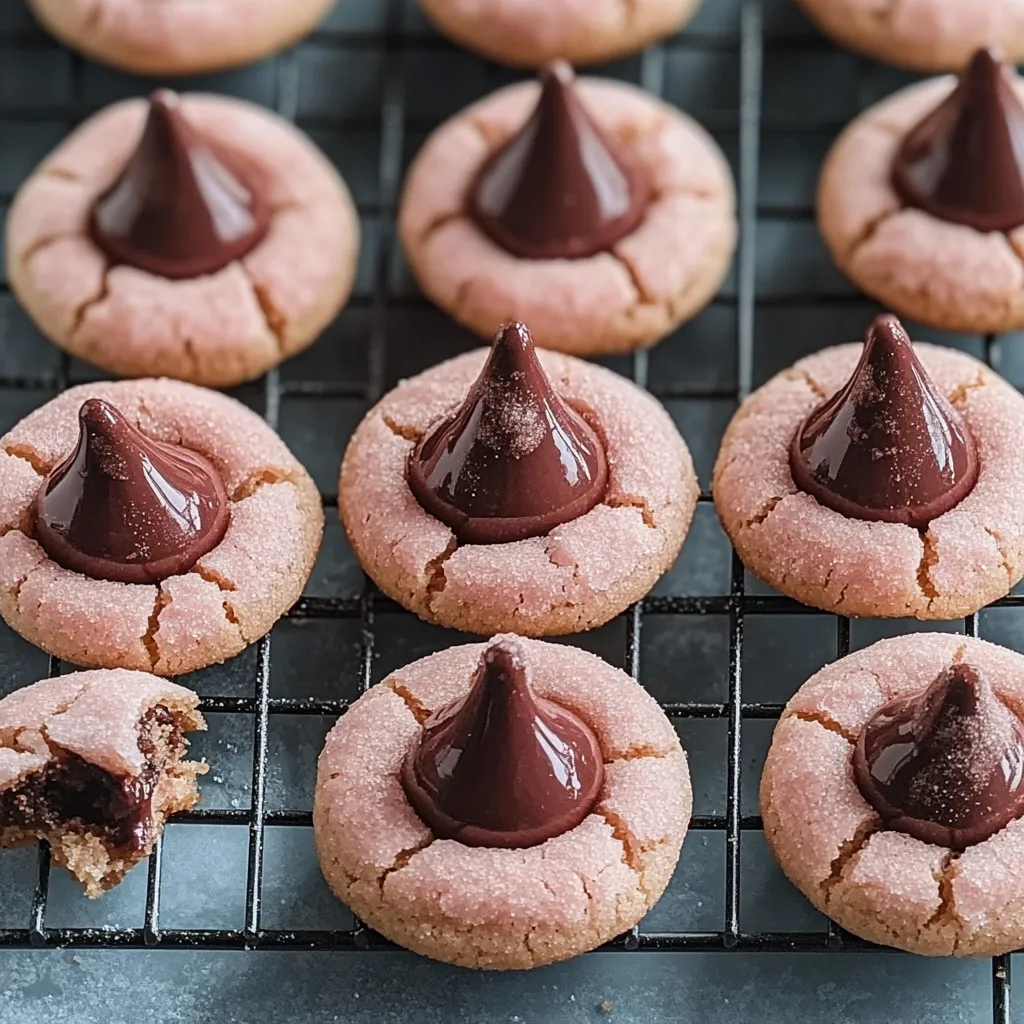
column 597, row 214
column 892, row 792
column 150, row 525
column 528, row 33
column 926, row 35
column 93, row 763
column 502, row 805
column 522, row 490
column 205, row 239
column 179, row 37
column 879, row 480
column 921, row 201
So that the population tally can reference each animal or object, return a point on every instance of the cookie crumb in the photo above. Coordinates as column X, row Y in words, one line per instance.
column 605, row 1006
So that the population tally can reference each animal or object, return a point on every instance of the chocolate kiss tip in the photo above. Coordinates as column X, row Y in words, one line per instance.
column 887, row 447
column 127, row 508
column 181, row 207
column 514, row 461
column 560, row 188
column 501, row 767
column 963, row 162
column 945, row 766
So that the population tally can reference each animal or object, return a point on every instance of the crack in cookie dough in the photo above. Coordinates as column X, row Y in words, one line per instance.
column 867, row 232
column 437, row 580
column 929, row 559
column 406, row 431
column 845, row 858
column 1000, row 547
column 276, row 321
column 765, row 511
column 402, row 859
column 802, row 373
column 214, row 577
column 83, row 308
column 27, row 454
column 163, row 599
column 261, row 478
column 633, row 501
column 958, row 396
column 419, row 710
column 826, row 721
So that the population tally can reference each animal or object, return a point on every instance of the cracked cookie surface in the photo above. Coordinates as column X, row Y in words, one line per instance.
column 882, row 885
column 948, row 275
column 966, row 558
column 577, row 576
column 231, row 597
column 629, row 297
column 530, row 33
column 178, row 37
column 502, row 908
column 927, row 35
column 218, row 329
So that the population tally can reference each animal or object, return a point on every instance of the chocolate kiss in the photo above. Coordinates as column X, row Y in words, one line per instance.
column 514, row 460
column 127, row 508
column 887, row 447
column 945, row 766
column 502, row 766
column 179, row 208
column 561, row 187
column 965, row 161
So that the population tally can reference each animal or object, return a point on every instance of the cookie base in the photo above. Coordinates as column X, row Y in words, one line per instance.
column 494, row 908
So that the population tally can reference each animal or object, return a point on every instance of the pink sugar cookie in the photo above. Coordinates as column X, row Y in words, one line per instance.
column 576, row 577
column 629, row 297
column 92, row 762
column 502, row 908
column 528, row 33
column 926, row 35
column 967, row 558
column 884, row 885
column 218, row 329
column 948, row 275
column 178, row 37
column 233, row 595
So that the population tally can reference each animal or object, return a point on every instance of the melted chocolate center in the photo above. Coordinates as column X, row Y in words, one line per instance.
column 514, row 460
column 73, row 794
column 560, row 188
column 964, row 162
column 501, row 766
column 887, row 447
column 945, row 766
column 181, row 207
column 127, row 508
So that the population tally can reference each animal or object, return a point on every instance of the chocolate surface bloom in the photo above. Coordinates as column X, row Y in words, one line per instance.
column 128, row 508
column 561, row 188
column 514, row 460
column 964, row 162
column 182, row 206
column 887, row 447
column 501, row 766
column 945, row 766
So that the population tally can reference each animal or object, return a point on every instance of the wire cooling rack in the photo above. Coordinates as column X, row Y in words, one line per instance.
column 369, row 50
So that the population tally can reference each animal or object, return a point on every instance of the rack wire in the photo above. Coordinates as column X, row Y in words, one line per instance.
column 736, row 605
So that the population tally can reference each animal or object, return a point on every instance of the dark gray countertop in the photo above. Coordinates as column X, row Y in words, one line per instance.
column 374, row 56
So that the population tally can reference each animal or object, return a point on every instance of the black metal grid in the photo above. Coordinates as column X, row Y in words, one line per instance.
column 736, row 605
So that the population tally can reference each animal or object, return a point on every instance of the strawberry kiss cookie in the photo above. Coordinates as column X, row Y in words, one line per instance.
column 921, row 200
column 93, row 763
column 179, row 37
column 893, row 792
column 516, row 490
column 502, row 805
column 150, row 525
column 202, row 238
column 883, row 480
column 596, row 213
column 528, row 33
